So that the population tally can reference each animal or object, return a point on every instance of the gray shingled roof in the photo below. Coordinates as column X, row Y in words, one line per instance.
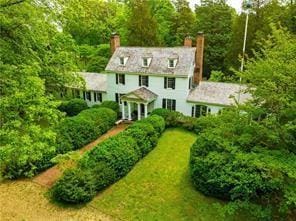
column 94, row 81
column 159, row 63
column 217, row 93
column 141, row 93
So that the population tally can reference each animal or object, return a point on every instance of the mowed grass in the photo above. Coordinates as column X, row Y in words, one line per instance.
column 159, row 187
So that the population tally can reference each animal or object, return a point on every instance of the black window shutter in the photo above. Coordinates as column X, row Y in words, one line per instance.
column 192, row 111
column 165, row 82
column 100, row 97
column 116, row 78
column 163, row 103
column 139, row 80
column 174, row 105
column 116, row 97
column 174, row 83
column 95, row 96
column 147, row 81
column 123, row 79
column 83, row 95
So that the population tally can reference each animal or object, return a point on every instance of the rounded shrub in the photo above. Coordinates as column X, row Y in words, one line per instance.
column 73, row 106
column 104, row 175
column 157, row 122
column 75, row 186
column 161, row 112
column 218, row 169
column 74, row 133
column 145, row 136
column 108, row 104
column 119, row 152
column 104, row 118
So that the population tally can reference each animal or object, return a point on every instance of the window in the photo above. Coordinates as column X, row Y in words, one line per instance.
column 75, row 93
column 200, row 110
column 172, row 63
column 169, row 82
column 87, row 95
column 143, row 80
column 97, row 96
column 120, row 79
column 146, row 62
column 121, row 59
column 117, row 98
column 169, row 104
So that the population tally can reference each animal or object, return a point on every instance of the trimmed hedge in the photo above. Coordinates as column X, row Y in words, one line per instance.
column 76, row 186
column 108, row 104
column 73, row 106
column 177, row 119
column 110, row 160
column 75, row 132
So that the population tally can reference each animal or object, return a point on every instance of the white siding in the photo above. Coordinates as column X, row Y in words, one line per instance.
column 156, row 85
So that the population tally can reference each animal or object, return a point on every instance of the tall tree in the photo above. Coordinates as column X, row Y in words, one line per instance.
column 215, row 19
column 35, row 58
column 90, row 21
column 142, row 26
column 163, row 11
column 183, row 22
column 262, row 14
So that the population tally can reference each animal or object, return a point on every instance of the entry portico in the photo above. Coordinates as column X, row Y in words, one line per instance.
column 139, row 101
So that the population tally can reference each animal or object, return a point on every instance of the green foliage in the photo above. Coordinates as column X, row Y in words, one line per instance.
column 109, row 104
column 73, row 106
column 75, row 132
column 176, row 119
column 76, row 186
column 157, row 122
column 141, row 25
column 113, row 158
column 145, row 135
column 214, row 17
column 248, row 154
column 120, row 153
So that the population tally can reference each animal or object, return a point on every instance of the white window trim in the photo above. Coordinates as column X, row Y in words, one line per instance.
column 174, row 60
column 148, row 62
column 124, row 61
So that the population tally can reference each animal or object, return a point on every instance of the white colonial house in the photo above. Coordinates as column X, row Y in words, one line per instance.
column 141, row 79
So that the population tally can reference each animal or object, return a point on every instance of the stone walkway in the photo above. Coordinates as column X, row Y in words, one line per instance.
column 49, row 177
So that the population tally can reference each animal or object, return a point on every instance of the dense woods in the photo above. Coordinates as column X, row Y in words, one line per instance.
column 43, row 43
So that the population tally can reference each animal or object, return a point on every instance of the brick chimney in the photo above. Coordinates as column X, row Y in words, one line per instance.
column 188, row 42
column 197, row 77
column 114, row 42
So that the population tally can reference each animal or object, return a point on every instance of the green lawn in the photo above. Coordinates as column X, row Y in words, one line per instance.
column 159, row 187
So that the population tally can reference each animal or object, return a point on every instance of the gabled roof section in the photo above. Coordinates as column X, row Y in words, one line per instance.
column 141, row 94
column 159, row 62
column 94, row 81
column 218, row 93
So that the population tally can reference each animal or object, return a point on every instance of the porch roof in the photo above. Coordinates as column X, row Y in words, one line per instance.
column 141, row 94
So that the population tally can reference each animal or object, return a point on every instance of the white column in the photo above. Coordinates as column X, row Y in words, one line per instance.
column 122, row 109
column 146, row 110
column 139, row 111
column 129, row 111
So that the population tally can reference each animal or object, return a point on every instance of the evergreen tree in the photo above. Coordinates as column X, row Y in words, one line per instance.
column 215, row 19
column 163, row 11
column 183, row 22
column 141, row 25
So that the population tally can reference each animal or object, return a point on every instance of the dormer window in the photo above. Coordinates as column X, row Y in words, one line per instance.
column 123, row 60
column 146, row 62
column 172, row 63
